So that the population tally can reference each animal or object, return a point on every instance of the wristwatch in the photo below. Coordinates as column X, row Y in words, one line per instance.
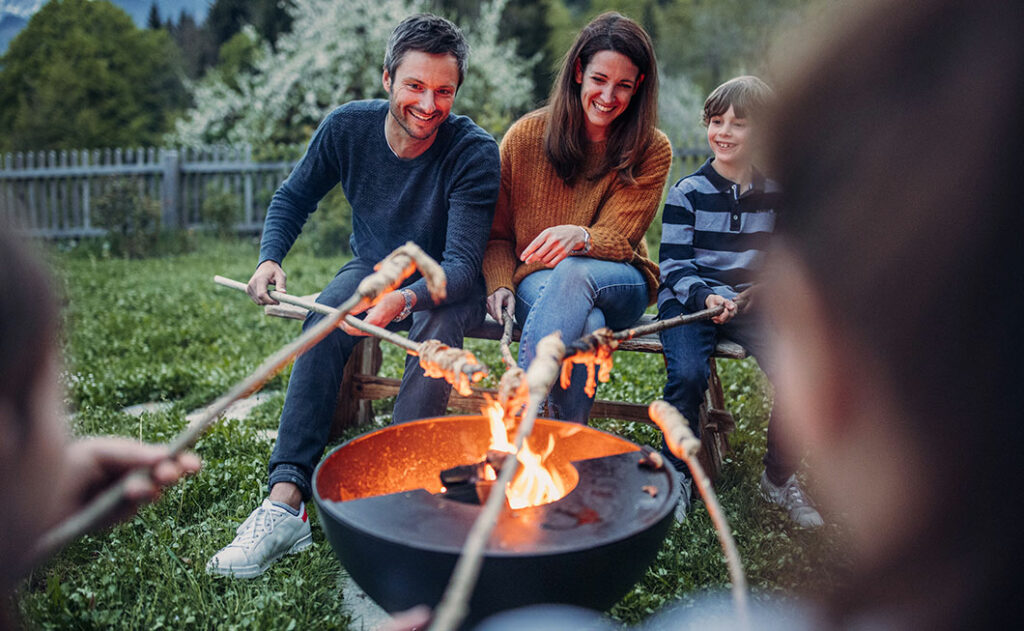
column 408, row 295
column 586, row 242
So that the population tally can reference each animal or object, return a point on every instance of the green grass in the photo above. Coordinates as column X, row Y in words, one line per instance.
column 160, row 330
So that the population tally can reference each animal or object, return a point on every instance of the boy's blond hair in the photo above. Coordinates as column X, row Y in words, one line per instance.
column 748, row 96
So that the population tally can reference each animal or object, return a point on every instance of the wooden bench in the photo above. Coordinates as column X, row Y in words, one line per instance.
column 361, row 385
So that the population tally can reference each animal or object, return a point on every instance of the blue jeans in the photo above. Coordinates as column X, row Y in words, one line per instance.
column 687, row 349
column 313, row 387
column 576, row 297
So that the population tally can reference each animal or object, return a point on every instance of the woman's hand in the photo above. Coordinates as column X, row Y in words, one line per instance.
column 727, row 314
column 94, row 464
column 553, row 244
column 501, row 301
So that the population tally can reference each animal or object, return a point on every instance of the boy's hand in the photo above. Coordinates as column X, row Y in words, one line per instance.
column 93, row 464
column 727, row 314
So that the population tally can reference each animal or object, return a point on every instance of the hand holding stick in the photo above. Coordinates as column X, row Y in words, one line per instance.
column 390, row 273
column 452, row 609
column 684, row 445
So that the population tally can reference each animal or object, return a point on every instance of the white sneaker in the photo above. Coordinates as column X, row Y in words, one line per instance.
column 269, row 533
column 792, row 498
column 685, row 498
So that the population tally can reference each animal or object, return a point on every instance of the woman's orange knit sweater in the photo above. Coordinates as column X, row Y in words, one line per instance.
column 532, row 197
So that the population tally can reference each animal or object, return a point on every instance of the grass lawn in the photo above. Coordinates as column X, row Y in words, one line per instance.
column 160, row 330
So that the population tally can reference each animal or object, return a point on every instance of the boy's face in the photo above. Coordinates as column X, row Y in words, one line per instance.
column 731, row 140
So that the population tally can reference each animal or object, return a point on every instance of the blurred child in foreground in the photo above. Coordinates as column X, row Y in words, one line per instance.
column 44, row 477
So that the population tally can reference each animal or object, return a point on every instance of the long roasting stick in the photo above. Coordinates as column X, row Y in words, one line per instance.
column 454, row 605
column 389, row 273
column 684, row 444
column 587, row 343
column 474, row 372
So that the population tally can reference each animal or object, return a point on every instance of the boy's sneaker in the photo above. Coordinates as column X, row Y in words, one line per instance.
column 792, row 498
column 685, row 497
column 269, row 533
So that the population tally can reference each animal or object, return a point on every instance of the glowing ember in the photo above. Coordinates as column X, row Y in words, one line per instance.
column 535, row 483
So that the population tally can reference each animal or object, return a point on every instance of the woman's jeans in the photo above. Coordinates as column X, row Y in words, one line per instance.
column 576, row 297
column 687, row 349
column 313, row 386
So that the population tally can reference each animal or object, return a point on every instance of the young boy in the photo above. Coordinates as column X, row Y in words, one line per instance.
column 715, row 228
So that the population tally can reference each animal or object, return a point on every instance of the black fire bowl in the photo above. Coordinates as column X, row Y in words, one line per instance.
column 587, row 549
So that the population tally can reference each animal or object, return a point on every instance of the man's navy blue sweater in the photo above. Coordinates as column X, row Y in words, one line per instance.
column 442, row 200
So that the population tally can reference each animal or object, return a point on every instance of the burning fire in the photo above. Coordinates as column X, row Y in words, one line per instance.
column 535, row 482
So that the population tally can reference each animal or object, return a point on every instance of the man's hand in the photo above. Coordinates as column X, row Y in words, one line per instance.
column 727, row 314
column 94, row 464
column 382, row 313
column 268, row 273
column 409, row 620
column 501, row 301
column 553, row 244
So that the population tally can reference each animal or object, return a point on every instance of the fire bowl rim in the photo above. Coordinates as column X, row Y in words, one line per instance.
column 663, row 512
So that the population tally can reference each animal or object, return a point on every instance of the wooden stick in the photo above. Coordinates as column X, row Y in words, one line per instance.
column 473, row 371
column 506, row 340
column 454, row 605
column 684, row 444
column 390, row 273
column 588, row 343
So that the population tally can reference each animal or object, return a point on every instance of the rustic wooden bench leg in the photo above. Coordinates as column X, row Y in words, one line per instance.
column 716, row 423
column 352, row 409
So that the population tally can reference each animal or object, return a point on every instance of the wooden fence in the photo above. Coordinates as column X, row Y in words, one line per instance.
column 54, row 194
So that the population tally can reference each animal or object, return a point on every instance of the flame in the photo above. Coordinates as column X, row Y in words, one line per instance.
column 535, row 482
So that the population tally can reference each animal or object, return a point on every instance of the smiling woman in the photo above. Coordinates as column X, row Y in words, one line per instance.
column 581, row 180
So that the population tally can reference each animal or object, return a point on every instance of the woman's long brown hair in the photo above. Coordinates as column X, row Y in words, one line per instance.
column 566, row 139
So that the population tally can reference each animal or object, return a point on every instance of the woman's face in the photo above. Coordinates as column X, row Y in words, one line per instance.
column 607, row 85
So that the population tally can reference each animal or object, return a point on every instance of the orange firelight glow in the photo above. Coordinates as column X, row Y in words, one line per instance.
column 535, row 482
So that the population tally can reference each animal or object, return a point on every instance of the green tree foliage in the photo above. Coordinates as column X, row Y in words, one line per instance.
column 334, row 55
column 81, row 75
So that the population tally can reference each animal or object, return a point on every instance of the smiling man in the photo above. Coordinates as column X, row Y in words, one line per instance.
column 411, row 171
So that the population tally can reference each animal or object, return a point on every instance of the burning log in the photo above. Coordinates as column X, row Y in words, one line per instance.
column 685, row 445
column 389, row 274
column 456, row 366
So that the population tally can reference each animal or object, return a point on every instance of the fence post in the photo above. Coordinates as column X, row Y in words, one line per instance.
column 247, row 216
column 171, row 197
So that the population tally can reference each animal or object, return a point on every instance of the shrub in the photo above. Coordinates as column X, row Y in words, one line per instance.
column 330, row 226
column 132, row 220
column 220, row 210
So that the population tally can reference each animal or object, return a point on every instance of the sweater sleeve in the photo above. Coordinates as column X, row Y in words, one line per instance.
column 470, row 213
column 500, row 256
column 314, row 175
column 676, row 257
column 627, row 213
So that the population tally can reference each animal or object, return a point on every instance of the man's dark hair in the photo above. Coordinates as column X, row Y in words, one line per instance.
column 426, row 33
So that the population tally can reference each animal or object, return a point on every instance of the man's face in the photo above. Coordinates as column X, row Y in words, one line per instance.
column 421, row 92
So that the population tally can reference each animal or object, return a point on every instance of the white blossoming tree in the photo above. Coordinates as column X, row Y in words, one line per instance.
column 334, row 54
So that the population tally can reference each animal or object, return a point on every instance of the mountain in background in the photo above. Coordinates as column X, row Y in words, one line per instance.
column 14, row 14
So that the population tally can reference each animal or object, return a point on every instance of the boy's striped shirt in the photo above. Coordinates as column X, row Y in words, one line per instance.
column 713, row 238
